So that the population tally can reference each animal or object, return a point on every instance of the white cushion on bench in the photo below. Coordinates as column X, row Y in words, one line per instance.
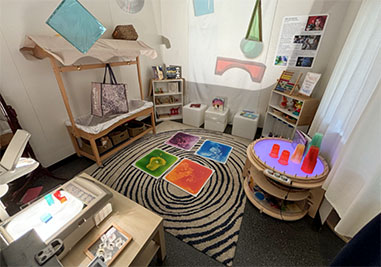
column 94, row 125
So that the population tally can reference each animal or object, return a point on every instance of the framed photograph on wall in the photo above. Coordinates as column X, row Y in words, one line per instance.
column 108, row 244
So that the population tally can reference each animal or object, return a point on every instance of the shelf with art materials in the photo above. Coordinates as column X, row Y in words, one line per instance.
column 89, row 134
column 283, row 178
column 288, row 110
column 168, row 98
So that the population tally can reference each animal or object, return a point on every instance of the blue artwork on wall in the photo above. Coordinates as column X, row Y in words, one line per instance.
column 77, row 25
column 214, row 151
column 203, row 7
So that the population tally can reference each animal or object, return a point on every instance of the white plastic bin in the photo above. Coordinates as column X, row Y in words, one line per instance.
column 245, row 127
column 216, row 120
column 194, row 116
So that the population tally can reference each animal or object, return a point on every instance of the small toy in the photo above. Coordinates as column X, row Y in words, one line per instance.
column 284, row 83
column 284, row 157
column 289, row 119
column 297, row 107
column 46, row 217
column 49, row 199
column 283, row 104
column 298, row 154
column 310, row 160
column 60, row 197
column 275, row 151
column 174, row 111
column 259, row 195
column 290, row 104
column 251, row 183
column 218, row 103
column 195, row 105
column 159, row 91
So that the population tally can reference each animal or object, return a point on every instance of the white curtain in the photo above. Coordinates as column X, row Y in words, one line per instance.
column 348, row 117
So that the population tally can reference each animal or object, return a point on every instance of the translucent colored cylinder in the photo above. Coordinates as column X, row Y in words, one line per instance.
column 284, row 157
column 310, row 160
column 316, row 141
column 275, row 151
column 298, row 153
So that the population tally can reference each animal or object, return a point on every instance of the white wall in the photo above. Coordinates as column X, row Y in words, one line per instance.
column 30, row 86
column 175, row 23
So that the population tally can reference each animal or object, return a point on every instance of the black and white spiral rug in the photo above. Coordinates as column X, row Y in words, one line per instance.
column 209, row 222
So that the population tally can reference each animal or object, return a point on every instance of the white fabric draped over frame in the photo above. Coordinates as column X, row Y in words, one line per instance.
column 348, row 117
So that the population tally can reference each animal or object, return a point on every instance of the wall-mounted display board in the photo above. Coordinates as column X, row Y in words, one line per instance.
column 299, row 40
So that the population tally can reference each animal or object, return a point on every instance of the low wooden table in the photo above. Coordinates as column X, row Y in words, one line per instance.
column 145, row 227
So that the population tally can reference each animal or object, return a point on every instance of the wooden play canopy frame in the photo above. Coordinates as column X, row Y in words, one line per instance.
column 51, row 48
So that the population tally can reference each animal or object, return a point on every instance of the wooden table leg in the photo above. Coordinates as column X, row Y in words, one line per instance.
column 153, row 121
column 246, row 168
column 74, row 141
column 160, row 240
column 95, row 152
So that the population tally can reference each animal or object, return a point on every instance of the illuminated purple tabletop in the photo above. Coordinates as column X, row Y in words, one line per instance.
column 263, row 148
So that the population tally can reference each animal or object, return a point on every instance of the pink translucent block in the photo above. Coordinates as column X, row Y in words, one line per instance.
column 275, row 151
column 284, row 157
column 298, row 154
column 310, row 160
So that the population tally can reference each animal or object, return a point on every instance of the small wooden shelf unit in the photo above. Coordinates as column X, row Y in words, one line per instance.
column 76, row 133
column 163, row 110
column 282, row 122
column 305, row 193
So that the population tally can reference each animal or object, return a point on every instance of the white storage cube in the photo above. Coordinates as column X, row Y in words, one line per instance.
column 194, row 116
column 245, row 127
column 216, row 120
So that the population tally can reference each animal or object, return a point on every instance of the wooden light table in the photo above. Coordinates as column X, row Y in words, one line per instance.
column 302, row 190
column 145, row 227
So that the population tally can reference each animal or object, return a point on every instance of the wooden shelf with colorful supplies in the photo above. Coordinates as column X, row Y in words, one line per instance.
column 287, row 110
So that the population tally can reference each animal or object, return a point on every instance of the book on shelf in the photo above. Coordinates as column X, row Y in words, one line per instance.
column 284, row 82
column 248, row 114
column 175, row 72
column 195, row 105
column 171, row 72
column 158, row 73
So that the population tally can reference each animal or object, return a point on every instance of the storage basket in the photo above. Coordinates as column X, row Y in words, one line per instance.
column 102, row 146
column 135, row 128
column 119, row 135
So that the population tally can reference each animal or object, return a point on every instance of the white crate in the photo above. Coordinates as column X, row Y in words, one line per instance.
column 194, row 116
column 216, row 120
column 245, row 127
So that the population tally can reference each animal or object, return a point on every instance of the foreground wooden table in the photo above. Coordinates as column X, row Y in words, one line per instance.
column 145, row 227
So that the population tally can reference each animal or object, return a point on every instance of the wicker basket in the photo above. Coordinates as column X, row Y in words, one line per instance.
column 125, row 32
column 86, row 147
column 118, row 136
column 135, row 128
